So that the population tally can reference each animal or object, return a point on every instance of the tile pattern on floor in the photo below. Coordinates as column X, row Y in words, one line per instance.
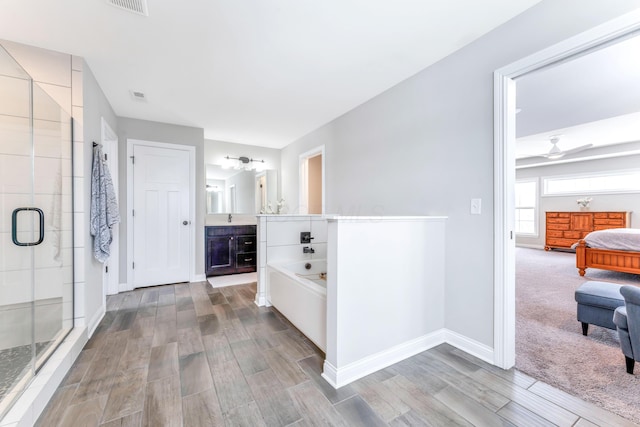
column 192, row 355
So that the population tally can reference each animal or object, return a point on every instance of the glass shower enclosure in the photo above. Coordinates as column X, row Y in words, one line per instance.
column 36, row 228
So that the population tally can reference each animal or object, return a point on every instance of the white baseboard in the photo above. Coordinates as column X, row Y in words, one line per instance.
column 474, row 348
column 199, row 278
column 95, row 321
column 526, row 245
column 339, row 377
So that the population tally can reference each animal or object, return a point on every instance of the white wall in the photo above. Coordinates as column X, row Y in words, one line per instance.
column 425, row 147
column 385, row 292
column 626, row 202
column 172, row 134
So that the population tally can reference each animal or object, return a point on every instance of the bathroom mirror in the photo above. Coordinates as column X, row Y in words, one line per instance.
column 239, row 191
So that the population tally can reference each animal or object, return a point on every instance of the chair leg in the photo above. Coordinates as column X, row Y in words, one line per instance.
column 585, row 328
column 630, row 362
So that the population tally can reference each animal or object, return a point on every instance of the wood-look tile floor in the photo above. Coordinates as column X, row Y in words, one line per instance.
column 191, row 355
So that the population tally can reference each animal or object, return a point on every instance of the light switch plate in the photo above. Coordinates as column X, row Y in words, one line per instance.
column 476, row 206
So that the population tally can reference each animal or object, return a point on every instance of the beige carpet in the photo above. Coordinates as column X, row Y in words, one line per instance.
column 549, row 341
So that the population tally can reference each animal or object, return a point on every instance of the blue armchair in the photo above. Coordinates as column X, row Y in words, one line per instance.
column 627, row 321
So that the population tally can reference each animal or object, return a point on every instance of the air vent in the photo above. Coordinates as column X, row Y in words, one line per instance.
column 135, row 6
column 137, row 95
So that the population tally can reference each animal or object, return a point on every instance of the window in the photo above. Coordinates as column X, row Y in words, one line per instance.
column 527, row 207
column 627, row 181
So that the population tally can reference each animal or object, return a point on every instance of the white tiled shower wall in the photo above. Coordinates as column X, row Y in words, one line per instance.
column 52, row 176
column 279, row 240
column 59, row 76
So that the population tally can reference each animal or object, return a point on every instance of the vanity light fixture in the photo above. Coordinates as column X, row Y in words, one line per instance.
column 245, row 163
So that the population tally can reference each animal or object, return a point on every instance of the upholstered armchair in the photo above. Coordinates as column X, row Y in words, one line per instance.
column 627, row 320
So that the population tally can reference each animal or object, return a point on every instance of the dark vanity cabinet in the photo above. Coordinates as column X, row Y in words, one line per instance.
column 230, row 249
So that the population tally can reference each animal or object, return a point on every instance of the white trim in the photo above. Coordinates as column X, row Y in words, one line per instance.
column 95, row 320
column 193, row 273
column 303, row 182
column 363, row 367
column 579, row 159
column 617, row 172
column 526, row 245
column 504, row 167
column 466, row 344
column 109, row 141
column 199, row 278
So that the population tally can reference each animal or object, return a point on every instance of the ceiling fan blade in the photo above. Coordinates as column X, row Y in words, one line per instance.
column 577, row 149
column 555, row 153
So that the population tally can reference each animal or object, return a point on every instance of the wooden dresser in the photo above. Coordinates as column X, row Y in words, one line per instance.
column 563, row 229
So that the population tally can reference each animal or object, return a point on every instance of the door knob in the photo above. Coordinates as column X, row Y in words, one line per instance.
column 185, row 222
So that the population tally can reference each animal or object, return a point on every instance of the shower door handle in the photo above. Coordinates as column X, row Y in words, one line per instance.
column 14, row 227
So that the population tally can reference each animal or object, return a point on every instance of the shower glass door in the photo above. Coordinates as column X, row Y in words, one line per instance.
column 36, row 228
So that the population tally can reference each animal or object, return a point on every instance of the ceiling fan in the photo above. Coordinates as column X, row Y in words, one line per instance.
column 555, row 152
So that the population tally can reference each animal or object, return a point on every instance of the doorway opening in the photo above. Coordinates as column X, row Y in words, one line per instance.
column 504, row 160
column 312, row 181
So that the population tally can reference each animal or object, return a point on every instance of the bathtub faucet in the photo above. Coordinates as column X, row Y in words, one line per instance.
column 308, row 250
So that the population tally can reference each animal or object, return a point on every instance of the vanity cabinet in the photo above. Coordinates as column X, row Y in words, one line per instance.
column 230, row 249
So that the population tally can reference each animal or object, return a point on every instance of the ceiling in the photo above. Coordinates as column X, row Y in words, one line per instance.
column 253, row 72
column 591, row 99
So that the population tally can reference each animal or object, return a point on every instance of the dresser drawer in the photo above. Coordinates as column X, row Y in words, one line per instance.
column 555, row 233
column 573, row 234
column 613, row 223
column 559, row 220
column 616, row 215
column 561, row 227
column 561, row 243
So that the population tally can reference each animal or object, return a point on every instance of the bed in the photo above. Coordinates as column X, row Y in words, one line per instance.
column 613, row 249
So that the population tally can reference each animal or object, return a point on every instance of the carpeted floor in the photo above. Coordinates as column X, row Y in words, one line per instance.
column 549, row 341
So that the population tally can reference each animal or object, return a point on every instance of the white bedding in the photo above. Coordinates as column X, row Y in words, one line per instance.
column 622, row 239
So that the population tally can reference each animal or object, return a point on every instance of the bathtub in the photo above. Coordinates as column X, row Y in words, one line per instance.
column 300, row 294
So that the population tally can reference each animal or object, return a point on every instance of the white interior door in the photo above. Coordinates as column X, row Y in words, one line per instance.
column 161, row 216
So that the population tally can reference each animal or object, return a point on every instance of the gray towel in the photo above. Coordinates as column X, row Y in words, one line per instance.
column 104, row 206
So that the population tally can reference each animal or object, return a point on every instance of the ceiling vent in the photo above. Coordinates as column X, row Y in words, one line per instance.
column 137, row 95
column 135, row 6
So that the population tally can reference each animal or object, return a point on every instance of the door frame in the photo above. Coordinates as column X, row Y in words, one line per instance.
column 303, row 186
column 193, row 276
column 504, row 170
column 111, row 280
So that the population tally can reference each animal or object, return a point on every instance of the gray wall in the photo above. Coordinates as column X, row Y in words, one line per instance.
column 627, row 202
column 173, row 134
column 96, row 106
column 425, row 147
